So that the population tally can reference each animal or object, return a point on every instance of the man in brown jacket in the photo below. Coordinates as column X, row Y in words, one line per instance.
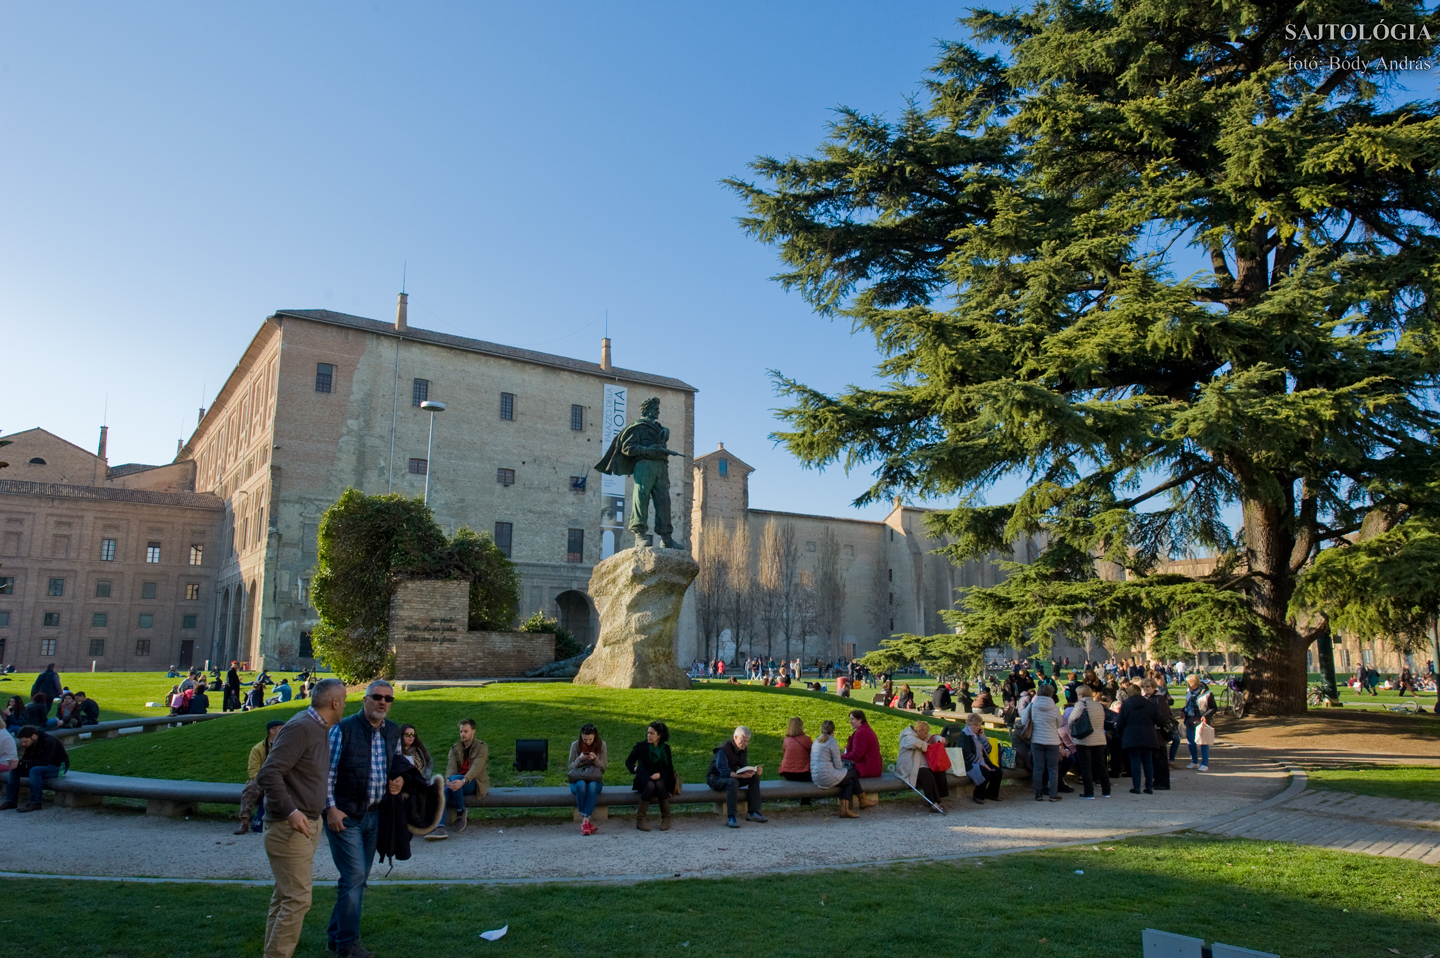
column 465, row 774
column 294, row 779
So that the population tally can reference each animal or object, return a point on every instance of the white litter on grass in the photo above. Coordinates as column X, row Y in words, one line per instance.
column 495, row 935
column 1079, row 872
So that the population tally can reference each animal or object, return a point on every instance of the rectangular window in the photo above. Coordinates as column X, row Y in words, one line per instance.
column 809, row 547
column 99, row 620
column 419, row 391
column 324, row 377
column 575, row 547
column 307, row 648
column 506, row 477
column 507, row 405
column 147, row 621
column 502, row 536
column 892, row 598
column 850, row 551
column 577, row 483
column 52, row 620
column 102, row 589
column 142, row 646
column 577, row 418
column 148, row 590
column 891, row 574
column 4, row 618
column 7, row 585
column 192, row 591
column 892, row 625
column 56, row 587
column 189, row 621
column 152, row 552
column 724, row 467
column 107, row 550
column 97, row 647
column 419, row 466
column 47, row 646
column 197, row 555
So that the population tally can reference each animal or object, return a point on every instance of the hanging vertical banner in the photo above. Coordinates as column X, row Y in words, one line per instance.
column 612, row 488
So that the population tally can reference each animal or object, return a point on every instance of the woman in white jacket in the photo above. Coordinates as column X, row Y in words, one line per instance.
column 911, row 765
column 1042, row 716
column 827, row 771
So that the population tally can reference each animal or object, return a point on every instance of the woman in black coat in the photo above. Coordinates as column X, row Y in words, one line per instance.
column 653, row 766
column 1137, row 732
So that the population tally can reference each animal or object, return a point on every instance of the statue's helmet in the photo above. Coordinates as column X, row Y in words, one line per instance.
column 650, row 407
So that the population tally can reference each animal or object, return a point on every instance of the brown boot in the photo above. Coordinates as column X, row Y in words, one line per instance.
column 664, row 814
column 640, row 822
column 845, row 809
column 244, row 826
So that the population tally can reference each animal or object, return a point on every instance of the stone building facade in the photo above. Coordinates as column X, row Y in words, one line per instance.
column 110, row 568
column 323, row 401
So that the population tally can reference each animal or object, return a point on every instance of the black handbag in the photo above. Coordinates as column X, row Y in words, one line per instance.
column 1082, row 727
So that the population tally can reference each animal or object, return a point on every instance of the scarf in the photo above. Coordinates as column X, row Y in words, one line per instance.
column 657, row 755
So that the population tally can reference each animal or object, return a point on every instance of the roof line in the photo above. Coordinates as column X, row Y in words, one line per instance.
column 59, row 490
column 52, row 435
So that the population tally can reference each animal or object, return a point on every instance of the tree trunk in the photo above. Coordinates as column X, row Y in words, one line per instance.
column 1325, row 652
column 1275, row 679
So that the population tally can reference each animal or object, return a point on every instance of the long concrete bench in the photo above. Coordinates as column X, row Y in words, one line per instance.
column 113, row 728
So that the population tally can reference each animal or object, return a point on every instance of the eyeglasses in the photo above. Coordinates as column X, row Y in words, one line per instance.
column 382, row 698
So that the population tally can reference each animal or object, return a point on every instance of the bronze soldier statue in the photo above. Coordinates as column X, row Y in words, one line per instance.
column 639, row 451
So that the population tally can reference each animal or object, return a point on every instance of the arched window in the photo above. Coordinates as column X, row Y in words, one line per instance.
column 37, row 461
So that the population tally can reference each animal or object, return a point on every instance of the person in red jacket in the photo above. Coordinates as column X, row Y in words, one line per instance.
column 863, row 747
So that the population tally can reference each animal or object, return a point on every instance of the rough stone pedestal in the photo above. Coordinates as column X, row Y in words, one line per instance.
column 638, row 594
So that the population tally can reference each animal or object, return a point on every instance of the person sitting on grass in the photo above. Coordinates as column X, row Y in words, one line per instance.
column 252, row 798
column 283, row 693
column 68, row 715
column 38, row 711
column 199, row 703
column 730, row 769
column 42, row 758
column 466, row 774
column 588, row 760
column 653, row 766
column 16, row 717
column 89, row 709
column 795, row 754
column 964, row 698
column 828, row 770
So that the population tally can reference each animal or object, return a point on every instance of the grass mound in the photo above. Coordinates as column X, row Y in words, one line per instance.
column 699, row 720
column 1419, row 783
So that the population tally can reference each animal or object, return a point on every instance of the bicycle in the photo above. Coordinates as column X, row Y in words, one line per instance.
column 1235, row 697
column 1317, row 696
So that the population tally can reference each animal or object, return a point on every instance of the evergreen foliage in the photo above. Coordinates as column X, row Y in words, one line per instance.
column 565, row 644
column 367, row 545
column 1143, row 261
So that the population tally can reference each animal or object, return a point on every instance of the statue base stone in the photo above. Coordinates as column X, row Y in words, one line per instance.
column 638, row 594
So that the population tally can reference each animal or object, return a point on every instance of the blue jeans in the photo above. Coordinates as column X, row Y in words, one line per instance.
column 586, row 794
column 455, row 801
column 1204, row 755
column 353, row 851
column 37, row 776
column 1190, row 741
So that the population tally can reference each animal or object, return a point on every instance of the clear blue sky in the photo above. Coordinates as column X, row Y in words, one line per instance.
column 173, row 173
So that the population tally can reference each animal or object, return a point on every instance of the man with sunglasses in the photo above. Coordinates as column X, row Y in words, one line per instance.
column 361, row 748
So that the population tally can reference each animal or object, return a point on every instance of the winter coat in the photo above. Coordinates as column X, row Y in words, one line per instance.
column 1136, row 725
column 826, row 768
column 415, row 811
column 911, row 758
column 1043, row 716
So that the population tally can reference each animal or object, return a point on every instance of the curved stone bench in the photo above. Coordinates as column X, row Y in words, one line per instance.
column 113, row 728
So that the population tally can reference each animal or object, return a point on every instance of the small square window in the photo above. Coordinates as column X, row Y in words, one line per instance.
column 724, row 467
column 97, row 647
column 148, row 590
column 419, row 391
column 142, row 646
column 56, row 587
column 7, row 585
column 189, row 621
column 52, row 620
column 47, row 646
column 152, row 552
column 850, row 551
column 192, row 591
column 577, row 418
column 575, row 546
column 577, row 483
column 99, row 620
column 102, row 589
column 507, row 405
column 4, row 618
column 324, row 377
column 419, row 466
column 197, row 555
column 107, row 550
column 506, row 477
column 809, row 547
column 147, row 621
column 503, row 531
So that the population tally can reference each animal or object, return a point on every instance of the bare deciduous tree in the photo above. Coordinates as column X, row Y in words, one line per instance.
column 830, row 594
column 877, row 604
column 712, row 582
column 740, row 599
column 769, row 599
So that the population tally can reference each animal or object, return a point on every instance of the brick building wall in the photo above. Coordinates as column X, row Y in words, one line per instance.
column 428, row 628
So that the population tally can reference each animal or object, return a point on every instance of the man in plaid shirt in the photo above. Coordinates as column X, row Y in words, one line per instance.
column 361, row 747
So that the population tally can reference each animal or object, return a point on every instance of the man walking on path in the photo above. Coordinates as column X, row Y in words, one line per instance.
column 294, row 779
column 361, row 748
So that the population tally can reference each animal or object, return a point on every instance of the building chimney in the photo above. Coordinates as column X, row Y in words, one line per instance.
column 605, row 354
column 104, row 433
column 400, row 325
column 722, row 447
column 179, row 444
column 200, row 418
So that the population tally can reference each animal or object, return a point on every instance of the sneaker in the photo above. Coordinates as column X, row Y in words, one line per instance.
column 1039, row 798
column 1148, row 791
column 1089, row 798
column 438, row 835
column 1136, row 791
column 1202, row 768
column 730, row 822
column 756, row 817
column 6, row 806
column 977, row 801
column 1106, row 795
column 31, row 807
column 1056, row 798
column 462, row 820
column 1192, row 765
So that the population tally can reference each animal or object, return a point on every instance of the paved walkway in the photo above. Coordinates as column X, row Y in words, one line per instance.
column 1391, row 827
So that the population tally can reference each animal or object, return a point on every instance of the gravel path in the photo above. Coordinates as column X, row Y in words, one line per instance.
column 117, row 842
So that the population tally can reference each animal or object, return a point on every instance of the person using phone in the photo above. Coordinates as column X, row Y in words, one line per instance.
column 588, row 758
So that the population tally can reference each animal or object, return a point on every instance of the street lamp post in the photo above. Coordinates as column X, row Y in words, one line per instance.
column 432, row 408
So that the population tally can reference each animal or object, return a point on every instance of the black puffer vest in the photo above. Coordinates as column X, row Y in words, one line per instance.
column 352, row 774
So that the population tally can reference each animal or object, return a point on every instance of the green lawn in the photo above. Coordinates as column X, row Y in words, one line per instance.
column 698, row 719
column 1420, row 783
column 121, row 695
column 1292, row 901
